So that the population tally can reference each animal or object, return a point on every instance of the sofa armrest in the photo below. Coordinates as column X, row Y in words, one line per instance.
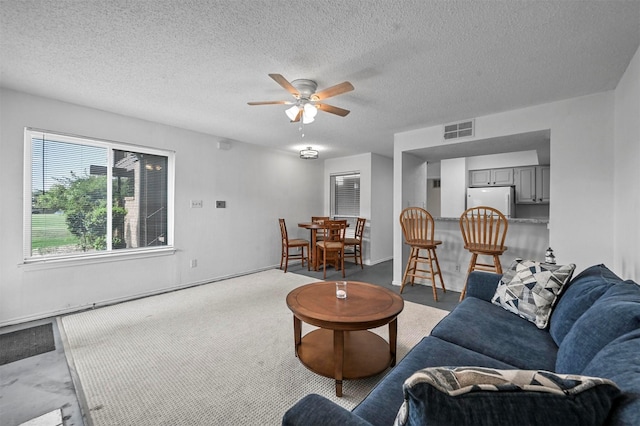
column 316, row 410
column 482, row 285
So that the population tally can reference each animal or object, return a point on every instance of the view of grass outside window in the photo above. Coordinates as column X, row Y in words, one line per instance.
column 90, row 196
column 345, row 198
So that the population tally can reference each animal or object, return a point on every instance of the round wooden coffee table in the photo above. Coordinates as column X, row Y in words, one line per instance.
column 343, row 348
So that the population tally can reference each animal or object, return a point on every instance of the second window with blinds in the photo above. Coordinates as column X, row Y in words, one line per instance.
column 345, row 198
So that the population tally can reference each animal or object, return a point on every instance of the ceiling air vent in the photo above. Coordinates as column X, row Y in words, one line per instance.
column 462, row 129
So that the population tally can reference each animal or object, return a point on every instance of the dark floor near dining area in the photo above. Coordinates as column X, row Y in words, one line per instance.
column 382, row 274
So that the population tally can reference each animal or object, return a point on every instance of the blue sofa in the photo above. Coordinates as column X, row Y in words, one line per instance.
column 594, row 330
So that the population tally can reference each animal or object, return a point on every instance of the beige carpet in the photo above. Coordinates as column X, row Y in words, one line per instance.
column 220, row 353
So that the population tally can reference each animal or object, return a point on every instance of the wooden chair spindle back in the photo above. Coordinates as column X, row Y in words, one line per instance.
column 484, row 226
column 417, row 224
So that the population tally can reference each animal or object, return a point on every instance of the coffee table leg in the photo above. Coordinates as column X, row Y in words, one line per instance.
column 297, row 333
column 393, row 340
column 338, row 357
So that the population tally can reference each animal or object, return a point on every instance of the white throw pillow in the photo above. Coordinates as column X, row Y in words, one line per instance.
column 530, row 289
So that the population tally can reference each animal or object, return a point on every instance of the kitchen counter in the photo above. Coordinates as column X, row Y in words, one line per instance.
column 526, row 239
column 510, row 220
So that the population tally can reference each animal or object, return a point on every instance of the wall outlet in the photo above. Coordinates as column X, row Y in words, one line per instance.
column 221, row 204
column 457, row 268
column 193, row 263
column 196, row 204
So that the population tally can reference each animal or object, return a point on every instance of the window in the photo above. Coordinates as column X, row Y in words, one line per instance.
column 86, row 197
column 345, row 198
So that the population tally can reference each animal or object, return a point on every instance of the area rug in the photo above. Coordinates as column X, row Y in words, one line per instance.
column 26, row 343
column 220, row 353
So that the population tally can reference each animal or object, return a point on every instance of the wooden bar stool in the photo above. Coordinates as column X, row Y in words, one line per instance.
column 418, row 230
column 484, row 230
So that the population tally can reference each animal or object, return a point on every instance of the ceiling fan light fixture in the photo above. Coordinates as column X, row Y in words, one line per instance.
column 310, row 110
column 292, row 112
column 305, row 92
column 309, row 154
column 307, row 119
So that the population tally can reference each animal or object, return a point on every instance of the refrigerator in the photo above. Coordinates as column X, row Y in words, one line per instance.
column 499, row 197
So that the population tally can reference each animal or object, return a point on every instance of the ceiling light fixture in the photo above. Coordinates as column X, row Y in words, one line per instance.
column 309, row 154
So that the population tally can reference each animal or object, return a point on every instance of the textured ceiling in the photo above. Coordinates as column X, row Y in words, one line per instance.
column 196, row 64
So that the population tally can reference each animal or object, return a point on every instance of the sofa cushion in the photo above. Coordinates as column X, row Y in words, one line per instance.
column 482, row 285
column 381, row 406
column 482, row 396
column 490, row 330
column 529, row 289
column 317, row 410
column 578, row 296
column 620, row 362
column 614, row 314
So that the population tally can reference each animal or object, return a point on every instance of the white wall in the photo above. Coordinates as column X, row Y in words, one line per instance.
column 453, row 196
column 414, row 184
column 627, row 172
column 375, row 200
column 582, row 182
column 434, row 198
column 381, row 209
column 258, row 184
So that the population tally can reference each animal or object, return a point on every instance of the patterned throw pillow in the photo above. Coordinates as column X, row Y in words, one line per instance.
column 530, row 289
column 485, row 396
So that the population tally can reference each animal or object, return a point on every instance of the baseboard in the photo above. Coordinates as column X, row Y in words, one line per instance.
column 115, row 301
column 369, row 262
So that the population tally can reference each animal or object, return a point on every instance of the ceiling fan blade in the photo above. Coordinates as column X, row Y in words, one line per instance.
column 336, row 90
column 270, row 103
column 298, row 117
column 285, row 84
column 333, row 110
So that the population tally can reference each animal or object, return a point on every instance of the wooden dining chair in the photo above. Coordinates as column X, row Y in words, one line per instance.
column 332, row 248
column 356, row 242
column 418, row 230
column 484, row 230
column 288, row 244
column 321, row 234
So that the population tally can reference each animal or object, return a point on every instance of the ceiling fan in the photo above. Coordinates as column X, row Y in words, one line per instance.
column 307, row 100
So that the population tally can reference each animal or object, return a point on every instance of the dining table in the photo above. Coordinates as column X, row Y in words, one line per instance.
column 313, row 227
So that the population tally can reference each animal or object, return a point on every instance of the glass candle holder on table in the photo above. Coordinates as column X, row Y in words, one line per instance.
column 341, row 289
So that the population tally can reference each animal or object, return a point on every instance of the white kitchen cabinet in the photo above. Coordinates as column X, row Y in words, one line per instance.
column 491, row 177
column 543, row 183
column 532, row 184
column 479, row 177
